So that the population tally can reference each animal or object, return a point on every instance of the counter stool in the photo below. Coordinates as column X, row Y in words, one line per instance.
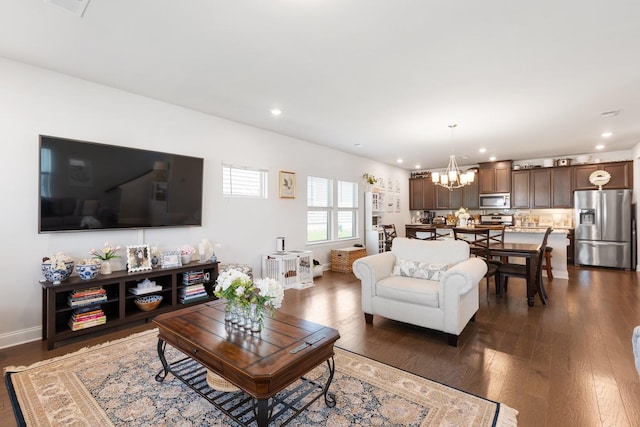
column 547, row 262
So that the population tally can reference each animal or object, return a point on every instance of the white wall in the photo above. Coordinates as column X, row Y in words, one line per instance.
column 35, row 101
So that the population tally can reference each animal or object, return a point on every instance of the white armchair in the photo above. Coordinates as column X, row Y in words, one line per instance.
column 432, row 283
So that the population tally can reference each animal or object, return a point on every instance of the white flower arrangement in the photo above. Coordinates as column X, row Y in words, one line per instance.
column 271, row 291
column 229, row 282
column 462, row 214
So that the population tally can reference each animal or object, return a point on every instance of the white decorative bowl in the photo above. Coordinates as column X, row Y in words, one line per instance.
column 54, row 275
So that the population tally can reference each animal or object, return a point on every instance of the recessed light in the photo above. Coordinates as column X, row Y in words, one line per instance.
column 606, row 134
column 483, row 150
column 357, row 145
column 492, row 158
column 276, row 112
column 418, row 166
column 599, row 146
column 399, row 160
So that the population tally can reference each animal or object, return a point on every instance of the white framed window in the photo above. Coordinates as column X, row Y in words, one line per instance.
column 332, row 209
column 244, row 181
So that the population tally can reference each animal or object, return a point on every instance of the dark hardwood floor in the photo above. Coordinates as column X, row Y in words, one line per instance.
column 567, row 364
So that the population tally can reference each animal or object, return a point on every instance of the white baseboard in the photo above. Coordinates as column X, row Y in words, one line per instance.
column 20, row 337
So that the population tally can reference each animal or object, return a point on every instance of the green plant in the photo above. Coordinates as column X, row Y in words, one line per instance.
column 370, row 178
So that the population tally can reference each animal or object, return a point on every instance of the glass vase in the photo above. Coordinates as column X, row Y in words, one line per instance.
column 228, row 312
column 241, row 319
column 256, row 315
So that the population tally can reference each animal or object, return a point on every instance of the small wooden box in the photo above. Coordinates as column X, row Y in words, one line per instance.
column 342, row 259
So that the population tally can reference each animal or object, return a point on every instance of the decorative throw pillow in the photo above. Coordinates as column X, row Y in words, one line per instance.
column 420, row 270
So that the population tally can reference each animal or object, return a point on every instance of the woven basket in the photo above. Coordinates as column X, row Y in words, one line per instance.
column 218, row 383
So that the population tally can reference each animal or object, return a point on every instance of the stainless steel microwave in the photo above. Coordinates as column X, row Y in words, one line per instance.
column 495, row 201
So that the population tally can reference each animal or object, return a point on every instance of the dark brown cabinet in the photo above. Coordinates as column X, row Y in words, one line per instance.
column 540, row 185
column 621, row 175
column 520, row 193
column 421, row 194
column 471, row 199
column 561, row 187
column 495, row 177
column 456, row 198
column 120, row 307
column 416, row 199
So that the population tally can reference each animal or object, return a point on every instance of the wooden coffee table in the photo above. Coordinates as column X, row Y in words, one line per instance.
column 261, row 365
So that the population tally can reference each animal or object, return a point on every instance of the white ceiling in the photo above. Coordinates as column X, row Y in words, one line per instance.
column 524, row 79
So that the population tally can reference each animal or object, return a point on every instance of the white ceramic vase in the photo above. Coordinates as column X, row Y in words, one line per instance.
column 105, row 267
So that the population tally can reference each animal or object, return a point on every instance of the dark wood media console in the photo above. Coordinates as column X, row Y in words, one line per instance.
column 119, row 307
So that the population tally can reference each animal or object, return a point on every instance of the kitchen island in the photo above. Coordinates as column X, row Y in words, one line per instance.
column 557, row 240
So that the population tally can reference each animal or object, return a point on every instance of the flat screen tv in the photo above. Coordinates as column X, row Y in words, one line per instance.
column 91, row 186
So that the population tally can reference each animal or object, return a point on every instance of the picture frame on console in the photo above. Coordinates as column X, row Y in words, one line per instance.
column 171, row 259
column 138, row 258
column 287, row 184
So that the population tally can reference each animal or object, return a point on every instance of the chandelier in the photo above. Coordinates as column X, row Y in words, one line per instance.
column 452, row 177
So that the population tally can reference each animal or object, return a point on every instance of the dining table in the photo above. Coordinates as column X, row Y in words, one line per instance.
column 528, row 251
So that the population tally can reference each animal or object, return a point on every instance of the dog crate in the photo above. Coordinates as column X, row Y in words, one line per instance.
column 293, row 269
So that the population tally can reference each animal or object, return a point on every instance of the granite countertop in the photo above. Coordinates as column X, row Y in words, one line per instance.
column 535, row 230
column 507, row 229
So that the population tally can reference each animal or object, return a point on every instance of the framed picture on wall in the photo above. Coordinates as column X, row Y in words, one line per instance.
column 287, row 185
column 138, row 258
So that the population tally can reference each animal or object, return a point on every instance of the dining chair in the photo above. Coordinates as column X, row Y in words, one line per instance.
column 479, row 240
column 496, row 235
column 427, row 233
column 507, row 270
column 389, row 234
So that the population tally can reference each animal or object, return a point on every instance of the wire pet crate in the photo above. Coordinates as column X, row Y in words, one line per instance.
column 293, row 269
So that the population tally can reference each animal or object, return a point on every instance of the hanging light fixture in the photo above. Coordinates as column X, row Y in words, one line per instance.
column 452, row 177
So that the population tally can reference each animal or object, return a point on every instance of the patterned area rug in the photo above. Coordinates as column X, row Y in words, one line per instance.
column 113, row 384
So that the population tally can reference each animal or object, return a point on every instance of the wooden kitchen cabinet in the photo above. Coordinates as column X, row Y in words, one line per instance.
column 495, row 177
column 520, row 186
column 429, row 194
column 540, row 185
column 621, row 175
column 561, row 187
column 421, row 194
column 457, row 198
column 442, row 197
column 416, row 199
column 471, row 199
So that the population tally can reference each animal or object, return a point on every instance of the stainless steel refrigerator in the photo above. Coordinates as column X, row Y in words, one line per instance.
column 603, row 228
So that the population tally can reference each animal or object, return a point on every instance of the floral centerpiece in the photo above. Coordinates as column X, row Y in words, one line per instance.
column 186, row 252
column 247, row 302
column 234, row 286
column 107, row 253
column 463, row 216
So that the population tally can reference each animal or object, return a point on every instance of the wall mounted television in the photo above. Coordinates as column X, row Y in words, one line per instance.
column 91, row 186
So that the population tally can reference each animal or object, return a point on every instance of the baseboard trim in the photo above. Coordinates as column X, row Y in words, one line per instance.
column 20, row 337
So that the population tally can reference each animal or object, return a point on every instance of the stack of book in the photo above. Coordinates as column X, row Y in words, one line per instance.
column 87, row 309
column 192, row 293
column 194, row 289
column 88, row 296
column 87, row 317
